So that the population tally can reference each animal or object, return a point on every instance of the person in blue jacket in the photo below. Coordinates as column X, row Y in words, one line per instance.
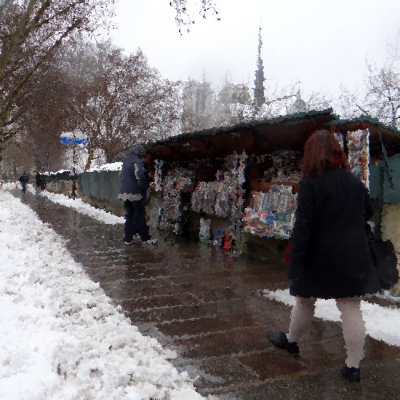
column 135, row 192
column 23, row 179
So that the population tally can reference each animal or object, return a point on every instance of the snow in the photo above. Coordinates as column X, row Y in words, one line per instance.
column 61, row 171
column 117, row 166
column 381, row 323
column 82, row 207
column 63, row 338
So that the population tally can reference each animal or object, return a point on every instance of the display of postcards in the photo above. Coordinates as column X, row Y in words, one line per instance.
column 358, row 148
column 270, row 219
column 197, row 197
column 158, row 164
column 248, row 212
column 222, row 204
column 170, row 209
column 242, row 169
column 164, row 224
column 266, row 202
column 267, row 224
column 180, row 179
column 284, row 167
column 285, row 175
column 195, row 203
column 155, row 213
column 205, row 229
column 184, row 184
column 169, row 183
column 177, row 228
column 208, row 204
column 274, row 195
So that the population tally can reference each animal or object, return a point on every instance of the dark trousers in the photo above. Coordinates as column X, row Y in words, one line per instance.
column 135, row 220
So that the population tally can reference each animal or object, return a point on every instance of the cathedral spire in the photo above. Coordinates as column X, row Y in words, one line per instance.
column 259, row 97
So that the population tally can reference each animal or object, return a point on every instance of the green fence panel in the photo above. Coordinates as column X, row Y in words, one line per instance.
column 376, row 181
column 385, row 180
column 103, row 185
column 391, row 183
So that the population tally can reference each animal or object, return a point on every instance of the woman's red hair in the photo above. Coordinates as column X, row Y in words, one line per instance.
column 322, row 151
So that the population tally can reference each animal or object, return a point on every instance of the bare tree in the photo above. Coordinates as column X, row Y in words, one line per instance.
column 380, row 99
column 289, row 100
column 184, row 19
column 46, row 115
column 383, row 95
column 30, row 31
column 16, row 158
column 119, row 100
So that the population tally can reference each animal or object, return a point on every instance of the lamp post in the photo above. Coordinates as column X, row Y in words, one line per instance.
column 73, row 142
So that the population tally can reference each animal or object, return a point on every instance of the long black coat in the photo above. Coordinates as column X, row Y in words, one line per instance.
column 330, row 256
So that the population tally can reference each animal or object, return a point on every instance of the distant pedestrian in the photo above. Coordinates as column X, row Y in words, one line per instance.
column 329, row 255
column 134, row 191
column 23, row 180
column 39, row 180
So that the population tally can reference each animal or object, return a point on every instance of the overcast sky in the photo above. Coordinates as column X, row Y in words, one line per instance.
column 321, row 43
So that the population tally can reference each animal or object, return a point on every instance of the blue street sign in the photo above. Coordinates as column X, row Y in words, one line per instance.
column 66, row 140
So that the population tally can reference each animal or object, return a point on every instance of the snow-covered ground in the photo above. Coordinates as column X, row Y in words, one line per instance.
column 381, row 323
column 61, row 338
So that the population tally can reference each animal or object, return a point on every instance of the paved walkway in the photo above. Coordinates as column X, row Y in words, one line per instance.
column 206, row 305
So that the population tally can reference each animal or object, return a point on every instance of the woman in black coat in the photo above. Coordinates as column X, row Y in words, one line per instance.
column 330, row 255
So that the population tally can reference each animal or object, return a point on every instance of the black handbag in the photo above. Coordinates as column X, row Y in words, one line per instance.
column 385, row 260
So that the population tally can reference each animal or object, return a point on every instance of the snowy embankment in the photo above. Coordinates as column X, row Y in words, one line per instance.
column 61, row 338
column 84, row 208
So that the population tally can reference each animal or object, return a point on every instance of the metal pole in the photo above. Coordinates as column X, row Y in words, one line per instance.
column 74, row 169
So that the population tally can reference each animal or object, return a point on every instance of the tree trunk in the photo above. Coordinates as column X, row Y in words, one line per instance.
column 90, row 158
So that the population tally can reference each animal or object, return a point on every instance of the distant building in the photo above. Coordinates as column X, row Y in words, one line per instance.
column 299, row 105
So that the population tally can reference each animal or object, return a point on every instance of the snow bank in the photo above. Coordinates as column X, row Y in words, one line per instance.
column 84, row 208
column 382, row 323
column 63, row 338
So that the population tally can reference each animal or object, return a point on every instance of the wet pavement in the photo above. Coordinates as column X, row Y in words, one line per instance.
column 206, row 304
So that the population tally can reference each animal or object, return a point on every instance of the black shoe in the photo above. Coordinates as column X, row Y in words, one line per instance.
column 352, row 374
column 279, row 339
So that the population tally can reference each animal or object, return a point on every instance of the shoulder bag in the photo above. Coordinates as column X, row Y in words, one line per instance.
column 385, row 259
